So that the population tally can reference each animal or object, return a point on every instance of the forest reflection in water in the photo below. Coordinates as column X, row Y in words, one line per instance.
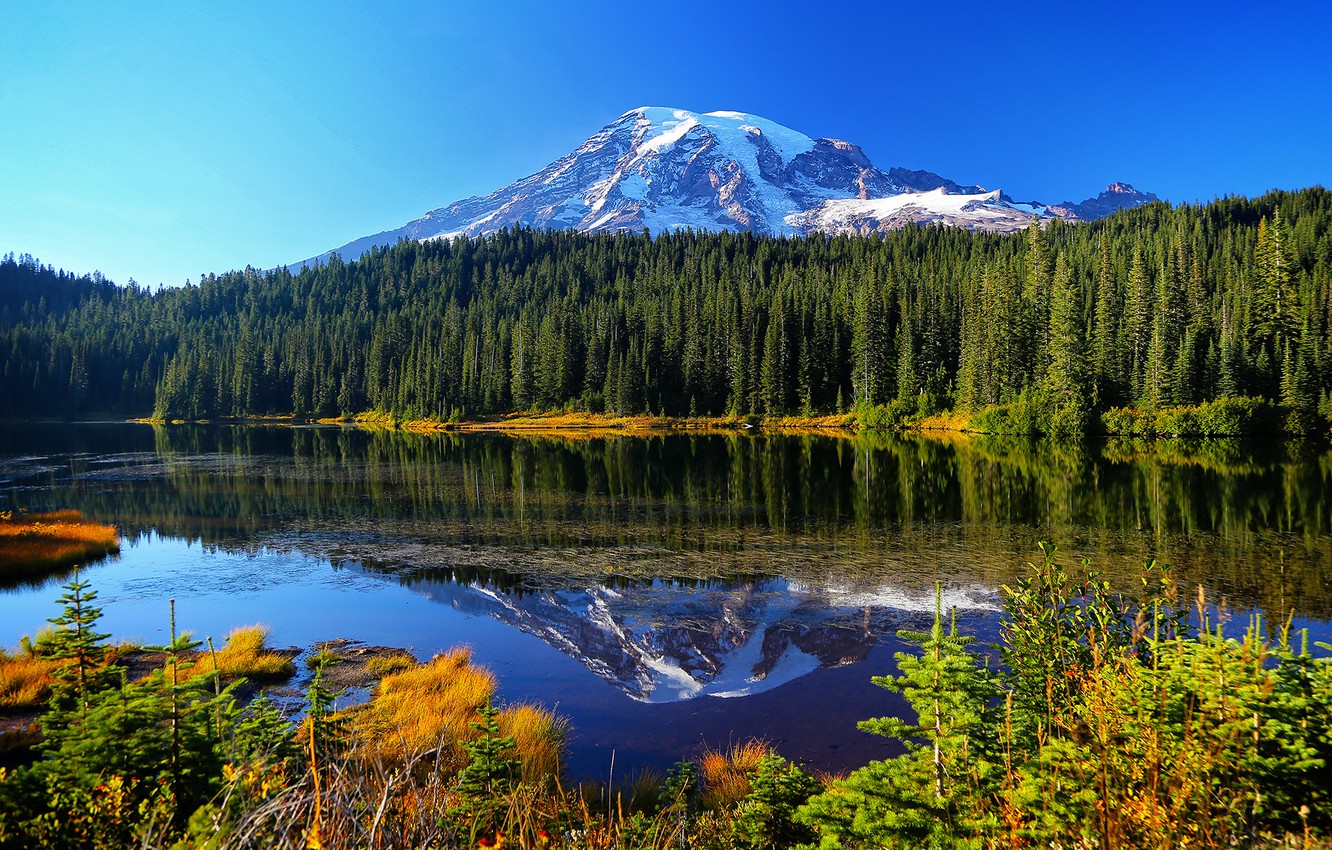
column 1246, row 520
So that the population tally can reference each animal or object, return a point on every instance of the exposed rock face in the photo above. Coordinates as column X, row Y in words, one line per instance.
column 666, row 169
column 1116, row 197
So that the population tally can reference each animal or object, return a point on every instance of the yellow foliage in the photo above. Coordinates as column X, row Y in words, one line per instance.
column 431, row 707
column 539, row 738
column 424, row 708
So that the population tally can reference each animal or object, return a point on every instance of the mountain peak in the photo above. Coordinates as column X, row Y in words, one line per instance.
column 1118, row 188
column 664, row 168
column 1117, row 196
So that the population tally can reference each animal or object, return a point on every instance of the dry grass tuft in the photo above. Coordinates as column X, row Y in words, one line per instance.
column 643, row 790
column 725, row 776
column 247, row 655
column 387, row 665
column 431, row 707
column 31, row 543
column 539, row 737
column 25, row 680
column 425, row 708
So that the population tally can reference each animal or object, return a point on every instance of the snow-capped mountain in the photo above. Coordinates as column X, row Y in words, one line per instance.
column 660, row 642
column 665, row 169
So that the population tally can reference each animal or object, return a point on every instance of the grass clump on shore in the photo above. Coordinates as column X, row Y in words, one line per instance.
column 33, row 543
column 25, row 680
column 726, row 775
column 389, row 664
column 246, row 654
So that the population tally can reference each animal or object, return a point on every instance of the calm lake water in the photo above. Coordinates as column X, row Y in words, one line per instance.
column 664, row 593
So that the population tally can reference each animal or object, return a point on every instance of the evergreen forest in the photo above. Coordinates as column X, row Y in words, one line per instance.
column 1067, row 328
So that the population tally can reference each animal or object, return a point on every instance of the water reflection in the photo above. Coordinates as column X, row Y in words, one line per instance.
column 665, row 641
column 1246, row 520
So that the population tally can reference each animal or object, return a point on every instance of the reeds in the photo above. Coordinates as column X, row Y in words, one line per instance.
column 32, row 543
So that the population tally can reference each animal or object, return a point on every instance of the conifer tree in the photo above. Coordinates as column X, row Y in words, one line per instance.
column 1067, row 380
column 80, row 648
column 1105, row 335
column 933, row 797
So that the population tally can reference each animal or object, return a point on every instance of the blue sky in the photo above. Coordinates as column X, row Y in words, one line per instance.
column 162, row 140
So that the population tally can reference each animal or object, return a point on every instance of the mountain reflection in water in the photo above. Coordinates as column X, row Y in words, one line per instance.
column 664, row 642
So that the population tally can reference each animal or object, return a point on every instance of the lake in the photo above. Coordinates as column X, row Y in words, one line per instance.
column 666, row 592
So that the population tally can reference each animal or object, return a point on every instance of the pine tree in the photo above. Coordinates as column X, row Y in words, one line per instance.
column 1067, row 380
column 933, row 797
column 1137, row 329
column 868, row 347
column 1105, row 336
column 81, row 649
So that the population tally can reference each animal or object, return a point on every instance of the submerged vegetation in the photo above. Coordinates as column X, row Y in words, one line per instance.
column 1151, row 308
column 31, row 544
column 1105, row 720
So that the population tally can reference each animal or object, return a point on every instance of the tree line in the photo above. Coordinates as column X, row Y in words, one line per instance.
column 1149, row 308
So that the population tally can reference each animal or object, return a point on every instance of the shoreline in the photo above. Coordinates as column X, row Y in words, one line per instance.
column 555, row 424
column 946, row 425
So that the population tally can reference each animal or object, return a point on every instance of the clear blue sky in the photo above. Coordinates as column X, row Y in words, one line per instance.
column 158, row 141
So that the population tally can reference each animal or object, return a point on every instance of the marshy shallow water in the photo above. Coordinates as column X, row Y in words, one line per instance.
column 665, row 592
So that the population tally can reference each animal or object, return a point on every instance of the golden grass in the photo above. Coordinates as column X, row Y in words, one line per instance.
column 425, row 708
column 387, row 665
column 725, row 775
column 949, row 420
column 25, row 680
column 808, row 423
column 39, row 542
column 538, row 736
column 431, row 706
column 247, row 655
column 585, row 425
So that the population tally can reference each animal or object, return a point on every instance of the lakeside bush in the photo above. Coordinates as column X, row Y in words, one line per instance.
column 1037, row 413
column 1224, row 417
column 1114, row 721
